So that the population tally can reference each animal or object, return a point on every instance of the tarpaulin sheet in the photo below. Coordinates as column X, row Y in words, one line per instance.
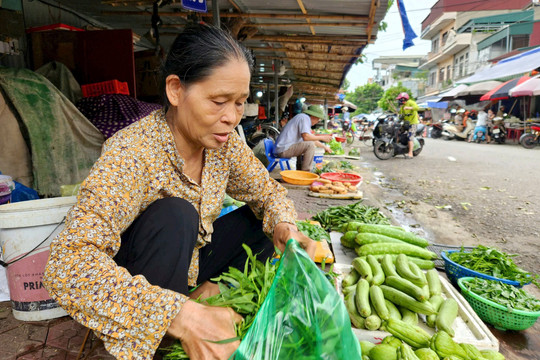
column 515, row 65
column 63, row 143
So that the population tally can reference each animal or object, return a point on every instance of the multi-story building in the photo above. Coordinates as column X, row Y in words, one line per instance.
column 391, row 70
column 460, row 34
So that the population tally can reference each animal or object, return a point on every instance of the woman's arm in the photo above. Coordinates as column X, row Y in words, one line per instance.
column 130, row 314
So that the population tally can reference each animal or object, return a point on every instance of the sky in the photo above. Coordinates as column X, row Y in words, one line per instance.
column 390, row 42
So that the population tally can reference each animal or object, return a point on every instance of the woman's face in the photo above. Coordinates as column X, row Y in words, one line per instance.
column 208, row 111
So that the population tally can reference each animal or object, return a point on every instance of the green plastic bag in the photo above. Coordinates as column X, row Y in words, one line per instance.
column 416, row 144
column 302, row 317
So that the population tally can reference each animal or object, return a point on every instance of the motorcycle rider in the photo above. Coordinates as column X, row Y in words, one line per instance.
column 481, row 125
column 409, row 110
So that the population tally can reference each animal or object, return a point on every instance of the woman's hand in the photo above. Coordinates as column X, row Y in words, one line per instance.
column 196, row 323
column 285, row 231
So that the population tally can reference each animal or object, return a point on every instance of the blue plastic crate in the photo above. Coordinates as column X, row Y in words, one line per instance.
column 455, row 271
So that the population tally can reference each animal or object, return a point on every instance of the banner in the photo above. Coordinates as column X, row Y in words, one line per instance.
column 407, row 29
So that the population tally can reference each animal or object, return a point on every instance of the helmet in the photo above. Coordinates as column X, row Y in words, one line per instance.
column 403, row 96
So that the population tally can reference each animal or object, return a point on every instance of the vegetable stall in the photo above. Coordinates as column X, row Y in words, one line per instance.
column 385, row 291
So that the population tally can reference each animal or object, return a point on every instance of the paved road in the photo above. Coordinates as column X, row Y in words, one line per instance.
column 492, row 196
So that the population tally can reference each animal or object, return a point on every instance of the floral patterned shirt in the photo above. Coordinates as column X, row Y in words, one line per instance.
column 139, row 165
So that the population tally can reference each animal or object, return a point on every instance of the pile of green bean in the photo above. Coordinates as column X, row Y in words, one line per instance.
column 333, row 217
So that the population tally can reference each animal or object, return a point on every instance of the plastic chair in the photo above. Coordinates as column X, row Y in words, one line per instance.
column 272, row 159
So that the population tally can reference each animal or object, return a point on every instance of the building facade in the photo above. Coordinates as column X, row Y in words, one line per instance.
column 466, row 36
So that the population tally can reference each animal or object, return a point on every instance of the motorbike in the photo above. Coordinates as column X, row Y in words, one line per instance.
column 395, row 141
column 498, row 132
column 256, row 130
column 436, row 130
column 530, row 140
column 381, row 126
column 450, row 131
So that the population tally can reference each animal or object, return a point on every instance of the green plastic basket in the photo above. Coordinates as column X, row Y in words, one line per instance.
column 497, row 315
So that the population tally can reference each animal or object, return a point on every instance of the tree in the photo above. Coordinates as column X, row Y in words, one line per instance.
column 388, row 100
column 346, row 84
column 365, row 98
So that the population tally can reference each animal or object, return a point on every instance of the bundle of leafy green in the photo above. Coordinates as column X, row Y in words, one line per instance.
column 493, row 262
column 314, row 232
column 243, row 291
column 335, row 166
column 336, row 147
column 503, row 294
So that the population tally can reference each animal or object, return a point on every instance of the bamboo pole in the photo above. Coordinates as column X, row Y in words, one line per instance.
column 314, row 70
column 305, row 59
column 304, row 11
column 356, row 38
column 282, row 49
column 352, row 24
column 246, row 15
column 372, row 10
column 329, row 42
column 317, row 78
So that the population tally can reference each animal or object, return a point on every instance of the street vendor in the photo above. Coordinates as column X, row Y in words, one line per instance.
column 145, row 232
column 297, row 139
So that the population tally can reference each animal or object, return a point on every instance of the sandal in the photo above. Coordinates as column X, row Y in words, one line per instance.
column 408, row 157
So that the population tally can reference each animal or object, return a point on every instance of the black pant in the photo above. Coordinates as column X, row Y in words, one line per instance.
column 160, row 242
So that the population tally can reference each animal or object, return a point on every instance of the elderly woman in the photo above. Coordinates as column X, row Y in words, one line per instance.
column 145, row 230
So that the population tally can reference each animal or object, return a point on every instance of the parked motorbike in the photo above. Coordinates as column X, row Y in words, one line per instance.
column 450, row 131
column 498, row 132
column 256, row 130
column 530, row 140
column 436, row 130
column 395, row 141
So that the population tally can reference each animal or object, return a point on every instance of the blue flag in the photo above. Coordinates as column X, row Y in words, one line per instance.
column 407, row 29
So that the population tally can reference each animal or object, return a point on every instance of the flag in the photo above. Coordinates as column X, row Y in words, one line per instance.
column 407, row 29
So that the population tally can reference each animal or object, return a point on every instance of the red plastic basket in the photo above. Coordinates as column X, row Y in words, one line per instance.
column 105, row 87
column 342, row 177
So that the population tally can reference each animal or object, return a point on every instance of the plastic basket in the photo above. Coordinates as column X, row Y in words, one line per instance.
column 438, row 248
column 455, row 271
column 497, row 315
column 298, row 177
column 105, row 87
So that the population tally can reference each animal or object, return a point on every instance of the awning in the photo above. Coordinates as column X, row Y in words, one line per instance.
column 479, row 88
column 501, row 91
column 515, row 65
column 452, row 93
column 530, row 87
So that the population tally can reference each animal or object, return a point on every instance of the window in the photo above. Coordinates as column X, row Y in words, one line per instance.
column 432, row 79
column 441, row 75
column 435, row 45
column 519, row 41
column 444, row 38
column 448, row 77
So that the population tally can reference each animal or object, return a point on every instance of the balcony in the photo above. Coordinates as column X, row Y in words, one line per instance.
column 454, row 44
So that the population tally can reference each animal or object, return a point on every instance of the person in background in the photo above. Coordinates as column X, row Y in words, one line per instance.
column 296, row 139
column 501, row 113
column 144, row 239
column 409, row 110
column 458, row 119
column 481, row 124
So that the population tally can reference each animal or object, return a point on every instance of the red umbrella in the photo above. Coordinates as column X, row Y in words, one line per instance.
column 501, row 91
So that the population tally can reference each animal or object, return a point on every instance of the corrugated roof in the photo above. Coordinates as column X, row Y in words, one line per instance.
column 316, row 40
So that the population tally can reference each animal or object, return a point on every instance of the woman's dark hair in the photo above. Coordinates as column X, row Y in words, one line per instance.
column 197, row 51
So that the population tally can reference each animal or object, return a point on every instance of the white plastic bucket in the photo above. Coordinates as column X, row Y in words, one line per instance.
column 318, row 157
column 26, row 231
